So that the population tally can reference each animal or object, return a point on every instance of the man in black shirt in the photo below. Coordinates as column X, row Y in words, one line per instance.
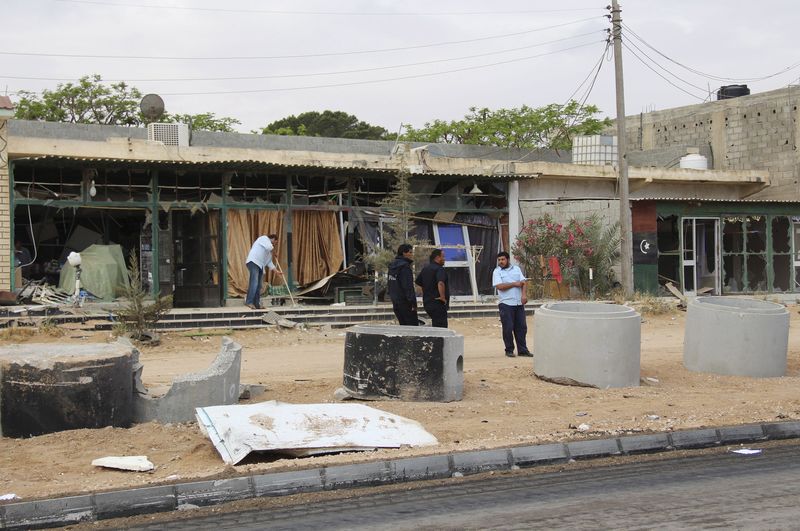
column 401, row 286
column 435, row 289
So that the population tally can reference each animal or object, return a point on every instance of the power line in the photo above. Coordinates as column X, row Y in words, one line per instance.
column 656, row 63
column 711, row 76
column 328, row 13
column 368, row 82
column 297, row 56
column 659, row 73
column 283, row 76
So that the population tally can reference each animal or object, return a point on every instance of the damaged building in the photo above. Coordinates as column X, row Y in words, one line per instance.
column 190, row 208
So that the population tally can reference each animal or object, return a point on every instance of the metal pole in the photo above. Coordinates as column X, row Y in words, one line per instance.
column 626, row 249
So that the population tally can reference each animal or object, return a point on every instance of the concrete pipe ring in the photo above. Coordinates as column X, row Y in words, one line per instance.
column 588, row 343
column 736, row 337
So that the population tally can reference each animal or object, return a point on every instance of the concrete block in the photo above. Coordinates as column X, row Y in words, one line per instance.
column 736, row 337
column 137, row 501
column 595, row 448
column 50, row 387
column 541, row 454
column 203, row 493
column 284, row 483
column 736, row 434
column 56, row 512
column 217, row 386
column 590, row 343
column 644, row 443
column 782, row 430
column 481, row 461
column 427, row 467
column 374, row 473
column 700, row 438
column 405, row 362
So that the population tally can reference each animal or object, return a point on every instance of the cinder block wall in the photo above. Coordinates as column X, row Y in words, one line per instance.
column 563, row 211
column 759, row 132
column 6, row 238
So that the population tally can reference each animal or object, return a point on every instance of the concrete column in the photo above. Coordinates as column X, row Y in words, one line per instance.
column 513, row 213
column 6, row 237
column 718, row 140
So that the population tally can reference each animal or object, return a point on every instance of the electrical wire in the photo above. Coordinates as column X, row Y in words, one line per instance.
column 373, row 81
column 660, row 75
column 711, row 76
column 297, row 56
column 314, row 74
column 328, row 13
column 656, row 63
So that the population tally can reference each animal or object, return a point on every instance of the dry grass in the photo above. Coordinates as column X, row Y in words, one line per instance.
column 645, row 303
column 50, row 328
column 15, row 333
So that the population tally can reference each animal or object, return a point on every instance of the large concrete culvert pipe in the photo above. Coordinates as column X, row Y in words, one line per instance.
column 588, row 342
column 736, row 337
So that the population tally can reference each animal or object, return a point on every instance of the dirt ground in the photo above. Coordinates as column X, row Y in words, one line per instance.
column 503, row 405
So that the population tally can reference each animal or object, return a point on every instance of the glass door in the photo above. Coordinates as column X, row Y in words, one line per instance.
column 700, row 256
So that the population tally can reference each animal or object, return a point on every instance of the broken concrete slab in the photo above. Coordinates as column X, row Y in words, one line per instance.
column 305, row 429
column 49, row 387
column 134, row 463
column 218, row 385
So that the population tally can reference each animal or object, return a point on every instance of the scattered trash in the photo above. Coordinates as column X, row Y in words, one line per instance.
column 338, row 304
column 187, row 507
column 9, row 496
column 134, row 463
column 172, row 477
column 581, row 414
column 653, row 417
column 341, row 394
column 305, row 429
column 511, row 401
column 457, row 475
column 746, row 451
column 649, row 379
column 584, row 427
column 274, row 319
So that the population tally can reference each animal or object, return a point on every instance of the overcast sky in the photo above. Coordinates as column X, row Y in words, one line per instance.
column 393, row 62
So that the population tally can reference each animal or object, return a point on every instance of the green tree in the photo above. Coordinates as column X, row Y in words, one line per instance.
column 551, row 126
column 204, row 122
column 333, row 124
column 89, row 101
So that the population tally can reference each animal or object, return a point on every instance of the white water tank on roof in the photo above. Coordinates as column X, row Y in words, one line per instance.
column 693, row 161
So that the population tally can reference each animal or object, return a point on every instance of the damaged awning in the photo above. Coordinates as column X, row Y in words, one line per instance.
column 305, row 429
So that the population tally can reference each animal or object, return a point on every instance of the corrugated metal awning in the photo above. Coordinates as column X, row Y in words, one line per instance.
column 715, row 200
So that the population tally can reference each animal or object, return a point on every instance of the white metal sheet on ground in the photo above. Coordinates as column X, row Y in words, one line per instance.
column 305, row 429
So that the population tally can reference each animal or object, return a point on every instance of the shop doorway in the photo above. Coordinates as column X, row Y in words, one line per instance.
column 700, row 255
column 193, row 259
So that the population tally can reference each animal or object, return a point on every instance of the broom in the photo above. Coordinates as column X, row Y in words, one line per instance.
column 285, row 283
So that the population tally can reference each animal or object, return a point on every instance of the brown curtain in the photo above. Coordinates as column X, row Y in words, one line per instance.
column 244, row 226
column 317, row 247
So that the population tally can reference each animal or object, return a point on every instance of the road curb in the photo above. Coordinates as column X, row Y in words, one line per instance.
column 92, row 507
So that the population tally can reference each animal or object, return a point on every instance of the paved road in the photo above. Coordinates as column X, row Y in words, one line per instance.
column 727, row 490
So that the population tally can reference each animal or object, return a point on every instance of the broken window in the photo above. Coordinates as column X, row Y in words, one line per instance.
column 668, row 240
column 781, row 254
column 733, row 254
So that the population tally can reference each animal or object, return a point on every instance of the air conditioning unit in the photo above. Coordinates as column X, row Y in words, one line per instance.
column 169, row 134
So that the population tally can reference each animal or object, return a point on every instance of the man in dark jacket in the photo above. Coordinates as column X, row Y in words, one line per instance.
column 401, row 286
column 435, row 289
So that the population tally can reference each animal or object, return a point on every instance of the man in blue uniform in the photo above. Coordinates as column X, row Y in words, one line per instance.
column 511, row 294
column 401, row 286
column 435, row 289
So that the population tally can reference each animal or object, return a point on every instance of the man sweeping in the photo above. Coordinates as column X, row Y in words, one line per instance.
column 258, row 260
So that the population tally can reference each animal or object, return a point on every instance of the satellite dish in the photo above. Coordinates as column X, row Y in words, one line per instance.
column 152, row 107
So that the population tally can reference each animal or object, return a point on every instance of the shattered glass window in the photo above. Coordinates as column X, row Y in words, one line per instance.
column 781, row 257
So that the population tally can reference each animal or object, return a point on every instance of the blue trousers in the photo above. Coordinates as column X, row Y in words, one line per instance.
column 514, row 327
column 254, row 286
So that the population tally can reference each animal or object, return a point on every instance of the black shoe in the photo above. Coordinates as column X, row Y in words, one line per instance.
column 510, row 354
column 526, row 354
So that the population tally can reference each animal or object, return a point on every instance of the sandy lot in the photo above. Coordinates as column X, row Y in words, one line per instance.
column 504, row 404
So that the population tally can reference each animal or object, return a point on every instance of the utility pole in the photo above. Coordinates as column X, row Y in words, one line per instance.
column 626, row 232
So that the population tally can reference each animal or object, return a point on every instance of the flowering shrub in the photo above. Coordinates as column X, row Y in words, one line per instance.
column 579, row 245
